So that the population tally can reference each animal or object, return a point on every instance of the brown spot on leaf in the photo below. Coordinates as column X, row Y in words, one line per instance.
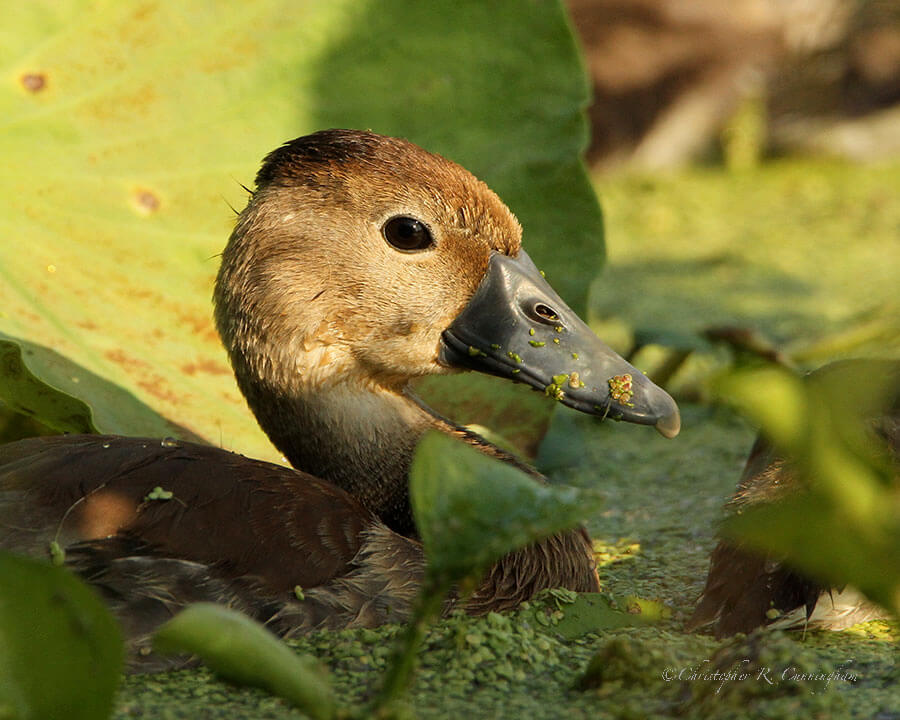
column 200, row 325
column 137, row 368
column 126, row 361
column 156, row 386
column 146, row 201
column 205, row 366
column 34, row 82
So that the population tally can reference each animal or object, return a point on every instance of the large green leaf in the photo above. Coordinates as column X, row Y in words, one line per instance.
column 472, row 509
column 128, row 128
column 60, row 648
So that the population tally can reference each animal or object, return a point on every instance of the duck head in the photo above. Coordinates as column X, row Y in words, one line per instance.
column 361, row 262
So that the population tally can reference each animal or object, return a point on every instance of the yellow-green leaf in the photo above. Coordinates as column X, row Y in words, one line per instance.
column 128, row 128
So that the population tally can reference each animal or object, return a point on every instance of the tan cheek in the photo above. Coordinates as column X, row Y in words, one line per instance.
column 413, row 354
column 462, row 265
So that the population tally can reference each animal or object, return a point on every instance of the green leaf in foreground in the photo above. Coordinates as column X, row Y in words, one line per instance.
column 472, row 509
column 244, row 652
column 60, row 648
column 27, row 394
column 841, row 523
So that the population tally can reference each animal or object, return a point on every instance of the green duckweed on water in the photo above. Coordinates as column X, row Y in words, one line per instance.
column 780, row 249
column 652, row 541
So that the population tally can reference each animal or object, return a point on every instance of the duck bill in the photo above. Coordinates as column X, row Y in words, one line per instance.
column 516, row 326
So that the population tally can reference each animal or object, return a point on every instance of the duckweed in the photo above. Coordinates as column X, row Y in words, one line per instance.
column 536, row 343
column 57, row 554
column 475, row 352
column 515, row 357
column 555, row 391
column 556, row 340
column 620, row 389
column 574, row 356
column 494, row 346
column 158, row 493
column 531, row 331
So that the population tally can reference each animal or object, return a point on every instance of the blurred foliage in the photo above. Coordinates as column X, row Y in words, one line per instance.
column 242, row 651
column 794, row 258
column 841, row 524
column 127, row 135
column 743, row 138
column 60, row 648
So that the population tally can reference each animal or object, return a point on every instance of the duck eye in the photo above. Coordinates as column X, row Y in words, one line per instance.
column 407, row 234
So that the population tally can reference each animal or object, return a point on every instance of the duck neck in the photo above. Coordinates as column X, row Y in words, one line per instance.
column 360, row 439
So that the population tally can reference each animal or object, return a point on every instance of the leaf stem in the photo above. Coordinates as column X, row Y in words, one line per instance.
column 399, row 674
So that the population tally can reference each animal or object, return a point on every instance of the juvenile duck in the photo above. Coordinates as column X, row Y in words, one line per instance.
column 746, row 589
column 359, row 263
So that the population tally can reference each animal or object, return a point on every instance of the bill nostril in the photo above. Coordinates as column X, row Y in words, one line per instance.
column 545, row 314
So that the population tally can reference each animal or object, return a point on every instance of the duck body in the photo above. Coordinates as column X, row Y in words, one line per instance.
column 168, row 523
column 231, row 530
column 360, row 262
column 745, row 588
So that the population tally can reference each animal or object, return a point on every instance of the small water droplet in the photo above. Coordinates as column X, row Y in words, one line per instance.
column 106, row 445
column 169, row 442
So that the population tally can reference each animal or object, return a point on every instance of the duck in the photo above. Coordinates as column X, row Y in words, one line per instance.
column 746, row 589
column 360, row 263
